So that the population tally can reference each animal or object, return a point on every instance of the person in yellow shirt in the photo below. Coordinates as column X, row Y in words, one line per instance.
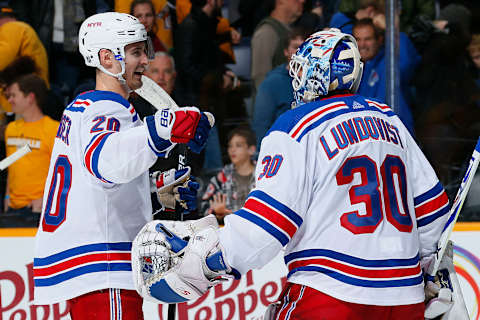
column 26, row 177
column 19, row 39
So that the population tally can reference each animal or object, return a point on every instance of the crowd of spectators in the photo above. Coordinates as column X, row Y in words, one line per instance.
column 198, row 41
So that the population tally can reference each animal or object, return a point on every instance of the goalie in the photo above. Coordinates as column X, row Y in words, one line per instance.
column 340, row 185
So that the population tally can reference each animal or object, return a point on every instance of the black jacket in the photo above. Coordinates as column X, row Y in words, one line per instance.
column 196, row 54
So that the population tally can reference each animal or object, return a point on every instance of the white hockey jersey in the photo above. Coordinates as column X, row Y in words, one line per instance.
column 97, row 197
column 342, row 185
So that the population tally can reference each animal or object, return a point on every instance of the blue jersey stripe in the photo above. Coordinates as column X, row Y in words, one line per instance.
column 362, row 282
column 96, row 247
column 99, row 267
column 313, row 253
column 436, row 190
column 429, row 219
column 277, row 205
column 281, row 237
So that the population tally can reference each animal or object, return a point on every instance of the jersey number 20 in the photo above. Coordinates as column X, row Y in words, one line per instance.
column 394, row 195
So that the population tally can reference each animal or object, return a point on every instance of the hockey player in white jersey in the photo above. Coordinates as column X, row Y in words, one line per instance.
column 97, row 194
column 340, row 185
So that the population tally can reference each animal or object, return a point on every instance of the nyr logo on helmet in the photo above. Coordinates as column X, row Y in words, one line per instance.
column 94, row 24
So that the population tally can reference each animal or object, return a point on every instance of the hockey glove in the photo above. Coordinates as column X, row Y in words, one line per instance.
column 443, row 296
column 175, row 185
column 201, row 134
column 180, row 125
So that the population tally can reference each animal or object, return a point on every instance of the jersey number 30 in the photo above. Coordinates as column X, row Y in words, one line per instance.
column 394, row 194
column 56, row 206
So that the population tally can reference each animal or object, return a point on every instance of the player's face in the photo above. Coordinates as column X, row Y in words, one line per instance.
column 143, row 12
column 238, row 150
column 161, row 71
column 17, row 99
column 368, row 44
column 135, row 64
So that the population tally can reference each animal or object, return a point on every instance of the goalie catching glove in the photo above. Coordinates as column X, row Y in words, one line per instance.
column 183, row 125
column 169, row 269
column 175, row 185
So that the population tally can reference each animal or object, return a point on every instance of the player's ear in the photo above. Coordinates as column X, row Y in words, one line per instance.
column 106, row 58
column 251, row 150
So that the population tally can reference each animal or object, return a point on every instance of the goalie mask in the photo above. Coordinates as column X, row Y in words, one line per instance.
column 327, row 61
column 112, row 31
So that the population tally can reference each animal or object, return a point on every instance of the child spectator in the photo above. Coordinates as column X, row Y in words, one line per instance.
column 228, row 190
column 26, row 177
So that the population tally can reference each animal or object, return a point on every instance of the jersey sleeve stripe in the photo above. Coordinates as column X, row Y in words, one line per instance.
column 92, row 154
column 273, row 216
column 433, row 192
column 432, row 217
column 265, row 225
column 431, row 206
column 262, row 196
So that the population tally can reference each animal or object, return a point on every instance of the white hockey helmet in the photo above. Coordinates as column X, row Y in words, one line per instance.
column 327, row 61
column 112, row 31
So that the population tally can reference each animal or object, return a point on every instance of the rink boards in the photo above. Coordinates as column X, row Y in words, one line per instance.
column 243, row 299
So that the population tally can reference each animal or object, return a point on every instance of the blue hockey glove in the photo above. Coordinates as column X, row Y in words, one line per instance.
column 186, row 194
column 201, row 133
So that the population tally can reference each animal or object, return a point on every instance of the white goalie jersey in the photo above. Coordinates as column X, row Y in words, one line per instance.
column 344, row 188
column 97, row 197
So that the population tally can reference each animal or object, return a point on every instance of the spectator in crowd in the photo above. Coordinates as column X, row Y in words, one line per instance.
column 313, row 17
column 474, row 52
column 365, row 9
column 447, row 94
column 26, row 177
column 165, row 18
column 275, row 94
column 229, row 188
column 227, row 35
column 410, row 10
column 372, row 51
column 144, row 11
column 270, row 36
column 19, row 39
column 196, row 49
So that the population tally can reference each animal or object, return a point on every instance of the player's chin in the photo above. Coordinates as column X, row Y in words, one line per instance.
column 135, row 83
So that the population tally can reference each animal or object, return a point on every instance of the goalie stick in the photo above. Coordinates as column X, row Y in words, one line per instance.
column 455, row 210
column 14, row 156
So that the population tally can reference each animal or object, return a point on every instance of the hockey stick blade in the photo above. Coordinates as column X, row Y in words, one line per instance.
column 155, row 94
column 14, row 156
column 455, row 210
column 159, row 98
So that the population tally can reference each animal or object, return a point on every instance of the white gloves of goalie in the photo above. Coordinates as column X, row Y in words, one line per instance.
column 175, row 185
column 169, row 269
